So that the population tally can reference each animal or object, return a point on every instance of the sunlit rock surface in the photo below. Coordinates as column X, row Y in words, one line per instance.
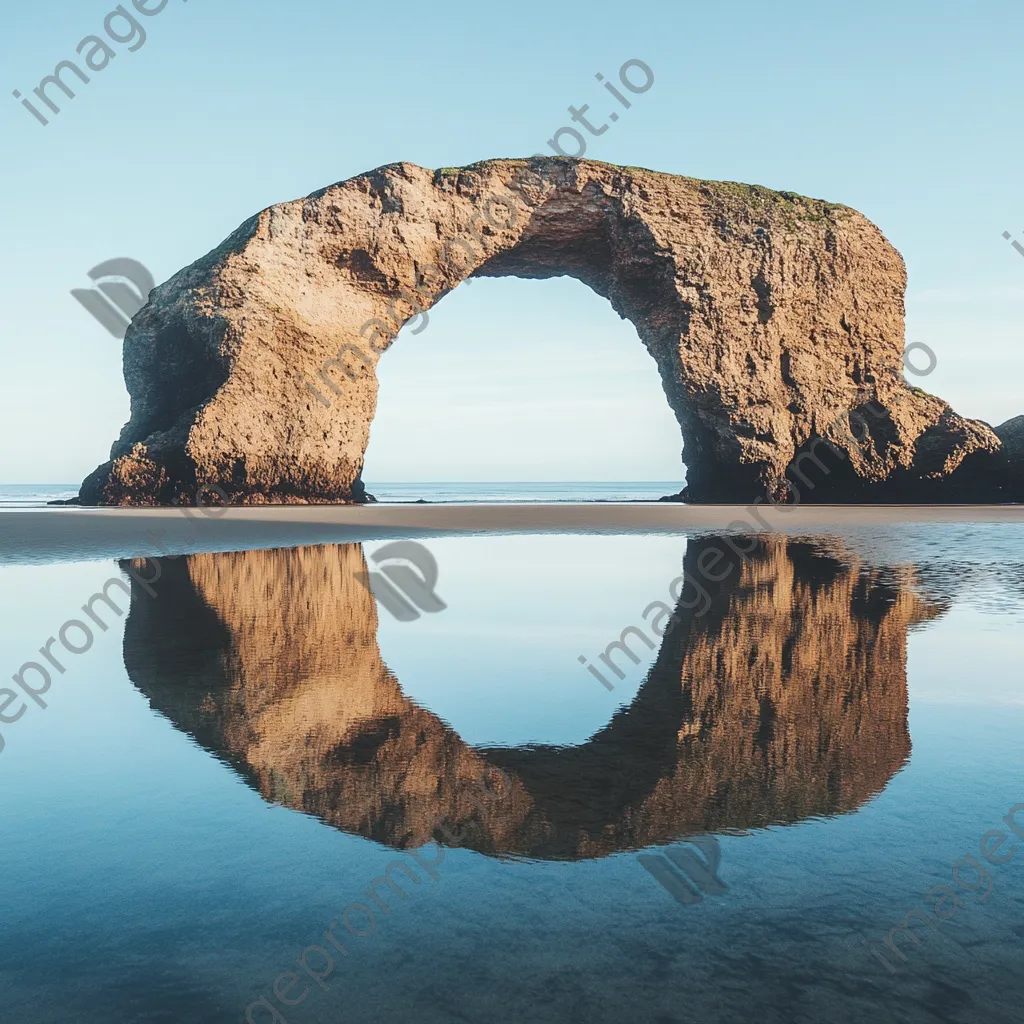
column 772, row 318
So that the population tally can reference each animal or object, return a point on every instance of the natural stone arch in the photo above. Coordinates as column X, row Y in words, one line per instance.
column 771, row 317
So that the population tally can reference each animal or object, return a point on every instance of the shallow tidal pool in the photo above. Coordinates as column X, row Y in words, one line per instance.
column 643, row 777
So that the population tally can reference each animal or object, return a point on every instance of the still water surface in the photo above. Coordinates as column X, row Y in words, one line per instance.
column 822, row 735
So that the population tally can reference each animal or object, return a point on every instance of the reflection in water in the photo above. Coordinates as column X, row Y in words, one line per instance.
column 787, row 699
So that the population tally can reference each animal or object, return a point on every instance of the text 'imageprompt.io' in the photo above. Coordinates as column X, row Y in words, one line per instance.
column 121, row 26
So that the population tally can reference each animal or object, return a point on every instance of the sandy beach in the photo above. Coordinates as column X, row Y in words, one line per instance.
column 65, row 534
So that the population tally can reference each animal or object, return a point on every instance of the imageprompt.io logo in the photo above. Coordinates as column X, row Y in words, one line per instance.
column 406, row 587
column 122, row 289
column 685, row 875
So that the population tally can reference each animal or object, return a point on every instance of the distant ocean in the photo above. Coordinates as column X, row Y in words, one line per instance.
column 645, row 490
column 32, row 495
column 35, row 495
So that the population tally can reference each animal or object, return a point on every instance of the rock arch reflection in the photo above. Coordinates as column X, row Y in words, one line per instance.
column 786, row 699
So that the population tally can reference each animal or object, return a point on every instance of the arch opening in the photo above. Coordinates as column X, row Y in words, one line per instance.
column 521, row 389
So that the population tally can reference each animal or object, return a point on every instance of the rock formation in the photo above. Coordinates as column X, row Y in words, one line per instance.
column 786, row 699
column 776, row 322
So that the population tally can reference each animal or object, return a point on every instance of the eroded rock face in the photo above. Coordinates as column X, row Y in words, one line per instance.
column 771, row 317
column 786, row 699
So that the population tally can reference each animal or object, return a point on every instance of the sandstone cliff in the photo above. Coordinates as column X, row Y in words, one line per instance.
column 787, row 699
column 771, row 318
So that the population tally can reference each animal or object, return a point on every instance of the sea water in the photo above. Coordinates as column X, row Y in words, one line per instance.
column 254, row 790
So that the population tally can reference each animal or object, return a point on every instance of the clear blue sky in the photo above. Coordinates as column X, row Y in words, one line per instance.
column 909, row 112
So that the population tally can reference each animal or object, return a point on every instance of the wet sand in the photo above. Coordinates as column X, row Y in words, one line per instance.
column 73, row 534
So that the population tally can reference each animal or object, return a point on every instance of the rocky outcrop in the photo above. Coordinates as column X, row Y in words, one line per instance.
column 1007, row 470
column 775, row 321
column 786, row 699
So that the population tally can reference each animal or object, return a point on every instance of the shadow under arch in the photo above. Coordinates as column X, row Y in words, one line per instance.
column 786, row 699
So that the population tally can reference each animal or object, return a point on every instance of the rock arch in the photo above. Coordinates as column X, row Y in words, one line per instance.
column 772, row 318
